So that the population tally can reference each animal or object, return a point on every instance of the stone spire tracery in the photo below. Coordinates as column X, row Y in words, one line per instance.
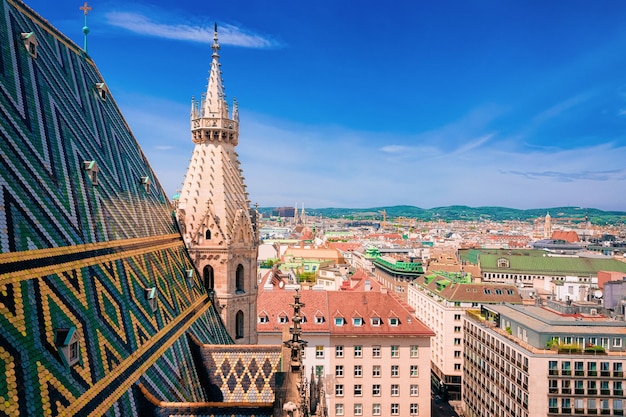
column 214, row 213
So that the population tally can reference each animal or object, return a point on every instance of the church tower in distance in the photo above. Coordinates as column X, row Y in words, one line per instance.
column 214, row 214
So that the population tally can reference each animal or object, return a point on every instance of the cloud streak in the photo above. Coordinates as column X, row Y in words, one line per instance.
column 144, row 25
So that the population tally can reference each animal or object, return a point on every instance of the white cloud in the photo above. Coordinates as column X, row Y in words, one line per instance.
column 228, row 34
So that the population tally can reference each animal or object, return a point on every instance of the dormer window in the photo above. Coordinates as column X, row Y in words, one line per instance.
column 91, row 167
column 282, row 318
column 504, row 263
column 393, row 321
column 339, row 321
column 151, row 297
column 68, row 346
column 319, row 319
column 102, row 91
column 145, row 181
column 357, row 321
column 263, row 318
column 30, row 42
column 375, row 321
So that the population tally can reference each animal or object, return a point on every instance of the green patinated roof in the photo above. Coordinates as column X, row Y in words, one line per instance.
column 550, row 265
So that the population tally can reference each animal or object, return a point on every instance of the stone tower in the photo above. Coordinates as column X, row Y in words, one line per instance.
column 214, row 213
column 547, row 227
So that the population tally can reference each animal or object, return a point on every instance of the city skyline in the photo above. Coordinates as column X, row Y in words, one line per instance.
column 481, row 104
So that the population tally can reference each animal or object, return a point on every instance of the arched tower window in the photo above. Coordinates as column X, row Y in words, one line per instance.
column 209, row 278
column 239, row 279
column 239, row 325
column 207, row 235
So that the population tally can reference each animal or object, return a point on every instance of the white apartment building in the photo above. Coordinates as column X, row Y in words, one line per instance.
column 529, row 361
column 440, row 301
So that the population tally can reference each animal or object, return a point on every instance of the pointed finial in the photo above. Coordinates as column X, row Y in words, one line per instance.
column 216, row 46
column 85, row 8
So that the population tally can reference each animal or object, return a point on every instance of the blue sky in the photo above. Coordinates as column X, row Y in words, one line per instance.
column 361, row 104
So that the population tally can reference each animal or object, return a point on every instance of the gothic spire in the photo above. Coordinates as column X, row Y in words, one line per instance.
column 215, row 101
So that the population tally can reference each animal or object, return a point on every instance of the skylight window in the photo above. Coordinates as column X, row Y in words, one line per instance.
column 151, row 297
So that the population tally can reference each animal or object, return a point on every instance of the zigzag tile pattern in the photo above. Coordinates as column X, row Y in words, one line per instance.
column 76, row 254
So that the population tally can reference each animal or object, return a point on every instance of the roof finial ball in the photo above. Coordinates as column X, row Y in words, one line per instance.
column 85, row 8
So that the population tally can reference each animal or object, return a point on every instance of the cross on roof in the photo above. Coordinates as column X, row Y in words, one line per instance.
column 86, row 8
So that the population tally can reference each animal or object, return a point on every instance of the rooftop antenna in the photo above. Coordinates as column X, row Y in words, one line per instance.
column 85, row 8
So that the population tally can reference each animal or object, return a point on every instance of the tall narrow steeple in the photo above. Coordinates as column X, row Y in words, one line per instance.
column 214, row 212
column 215, row 100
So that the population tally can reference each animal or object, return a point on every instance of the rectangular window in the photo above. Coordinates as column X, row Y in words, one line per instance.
column 358, row 371
column 415, row 351
column 319, row 351
column 457, row 341
column 358, row 409
column 319, row 370
column 457, row 329
column 617, row 342
column 376, row 371
column 414, row 409
column 457, row 366
column 395, row 370
column 395, row 390
column 414, row 390
column 414, row 371
column 395, row 409
column 376, row 390
column 376, row 409
column 457, row 317
column 457, row 353
column 338, row 370
column 376, row 351
column 339, row 351
column 395, row 351
column 358, row 351
column 339, row 409
column 338, row 390
column 358, row 390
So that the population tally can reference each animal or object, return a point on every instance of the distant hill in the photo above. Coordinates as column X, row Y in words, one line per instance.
column 450, row 213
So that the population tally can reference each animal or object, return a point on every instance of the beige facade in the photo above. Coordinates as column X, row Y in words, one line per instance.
column 373, row 355
column 507, row 375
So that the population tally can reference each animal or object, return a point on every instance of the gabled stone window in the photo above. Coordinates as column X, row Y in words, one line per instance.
column 30, row 42
column 91, row 167
column 68, row 346
column 102, row 90
column 151, row 297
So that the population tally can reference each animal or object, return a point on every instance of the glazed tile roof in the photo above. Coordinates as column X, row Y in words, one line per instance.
column 88, row 246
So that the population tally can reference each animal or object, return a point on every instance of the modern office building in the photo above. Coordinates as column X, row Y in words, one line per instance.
column 528, row 361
